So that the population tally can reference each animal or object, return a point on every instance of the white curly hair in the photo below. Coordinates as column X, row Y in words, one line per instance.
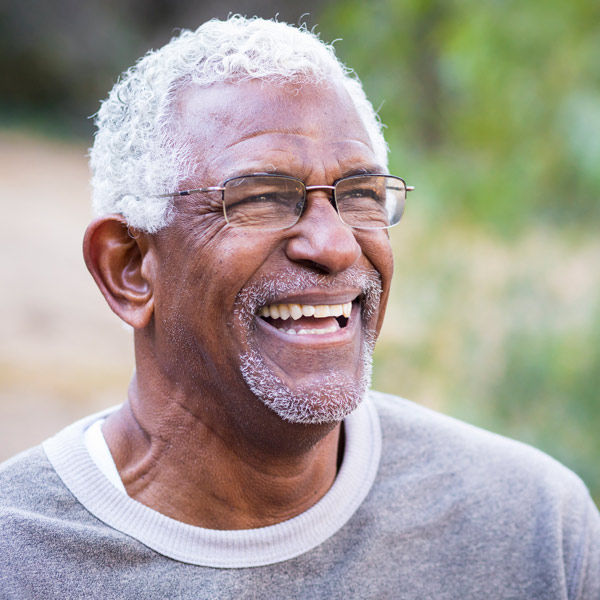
column 136, row 154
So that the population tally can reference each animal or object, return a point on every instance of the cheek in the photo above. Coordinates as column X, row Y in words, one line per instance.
column 376, row 247
column 207, row 271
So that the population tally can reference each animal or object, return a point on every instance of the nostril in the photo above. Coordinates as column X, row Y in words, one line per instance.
column 318, row 267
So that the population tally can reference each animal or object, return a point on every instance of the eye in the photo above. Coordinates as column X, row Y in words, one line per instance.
column 260, row 198
column 362, row 193
column 269, row 202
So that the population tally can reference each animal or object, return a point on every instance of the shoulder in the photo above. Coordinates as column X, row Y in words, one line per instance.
column 31, row 491
column 23, row 475
column 34, row 496
column 436, row 469
column 33, row 505
column 419, row 436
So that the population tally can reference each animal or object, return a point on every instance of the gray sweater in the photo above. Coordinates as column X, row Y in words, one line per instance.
column 423, row 507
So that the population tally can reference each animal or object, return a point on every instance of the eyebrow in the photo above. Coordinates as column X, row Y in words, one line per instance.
column 370, row 170
column 363, row 170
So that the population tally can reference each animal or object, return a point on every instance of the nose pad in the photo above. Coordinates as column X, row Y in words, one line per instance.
column 300, row 207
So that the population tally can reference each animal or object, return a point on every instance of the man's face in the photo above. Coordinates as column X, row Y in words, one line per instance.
column 220, row 329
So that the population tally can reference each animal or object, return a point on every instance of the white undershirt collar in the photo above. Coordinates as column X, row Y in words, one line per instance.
column 99, row 451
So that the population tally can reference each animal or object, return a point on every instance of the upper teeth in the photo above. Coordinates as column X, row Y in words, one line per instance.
column 319, row 311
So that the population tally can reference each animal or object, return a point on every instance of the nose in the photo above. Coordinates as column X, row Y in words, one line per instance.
column 320, row 239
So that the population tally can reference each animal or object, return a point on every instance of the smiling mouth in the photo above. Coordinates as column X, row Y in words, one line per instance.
column 307, row 319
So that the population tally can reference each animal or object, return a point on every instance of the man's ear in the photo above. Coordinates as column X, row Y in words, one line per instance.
column 122, row 266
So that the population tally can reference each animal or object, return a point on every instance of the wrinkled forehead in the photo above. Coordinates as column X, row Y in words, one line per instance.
column 225, row 122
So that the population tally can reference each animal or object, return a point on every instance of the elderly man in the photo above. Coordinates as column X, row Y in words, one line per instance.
column 243, row 203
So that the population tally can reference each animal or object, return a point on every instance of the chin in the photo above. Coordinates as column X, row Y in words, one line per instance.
column 331, row 398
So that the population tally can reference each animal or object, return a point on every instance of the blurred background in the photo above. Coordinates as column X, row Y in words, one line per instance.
column 492, row 112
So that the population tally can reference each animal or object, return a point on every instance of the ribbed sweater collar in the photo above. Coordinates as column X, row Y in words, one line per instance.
column 223, row 548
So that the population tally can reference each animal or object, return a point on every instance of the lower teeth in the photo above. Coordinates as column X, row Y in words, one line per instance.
column 309, row 331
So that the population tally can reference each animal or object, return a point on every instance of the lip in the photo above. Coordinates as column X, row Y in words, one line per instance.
column 316, row 297
column 341, row 336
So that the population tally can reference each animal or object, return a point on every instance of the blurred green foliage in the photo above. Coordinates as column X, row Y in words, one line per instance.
column 492, row 110
column 493, row 106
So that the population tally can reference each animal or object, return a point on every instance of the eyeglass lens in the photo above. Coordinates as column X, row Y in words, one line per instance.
column 272, row 202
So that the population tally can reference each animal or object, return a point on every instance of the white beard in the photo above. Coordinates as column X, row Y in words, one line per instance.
column 328, row 401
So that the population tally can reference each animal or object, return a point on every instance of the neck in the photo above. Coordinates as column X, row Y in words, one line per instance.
column 190, row 462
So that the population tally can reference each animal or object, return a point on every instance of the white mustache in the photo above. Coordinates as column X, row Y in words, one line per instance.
column 292, row 281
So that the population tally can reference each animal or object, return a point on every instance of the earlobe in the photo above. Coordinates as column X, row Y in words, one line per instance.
column 122, row 267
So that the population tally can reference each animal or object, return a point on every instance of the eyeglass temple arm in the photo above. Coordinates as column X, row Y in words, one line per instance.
column 188, row 192
column 407, row 188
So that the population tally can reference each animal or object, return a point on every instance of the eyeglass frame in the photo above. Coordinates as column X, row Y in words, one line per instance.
column 307, row 189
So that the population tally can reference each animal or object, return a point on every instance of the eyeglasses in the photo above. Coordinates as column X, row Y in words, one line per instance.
column 272, row 202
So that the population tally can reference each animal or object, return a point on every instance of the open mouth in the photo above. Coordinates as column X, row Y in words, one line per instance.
column 307, row 319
